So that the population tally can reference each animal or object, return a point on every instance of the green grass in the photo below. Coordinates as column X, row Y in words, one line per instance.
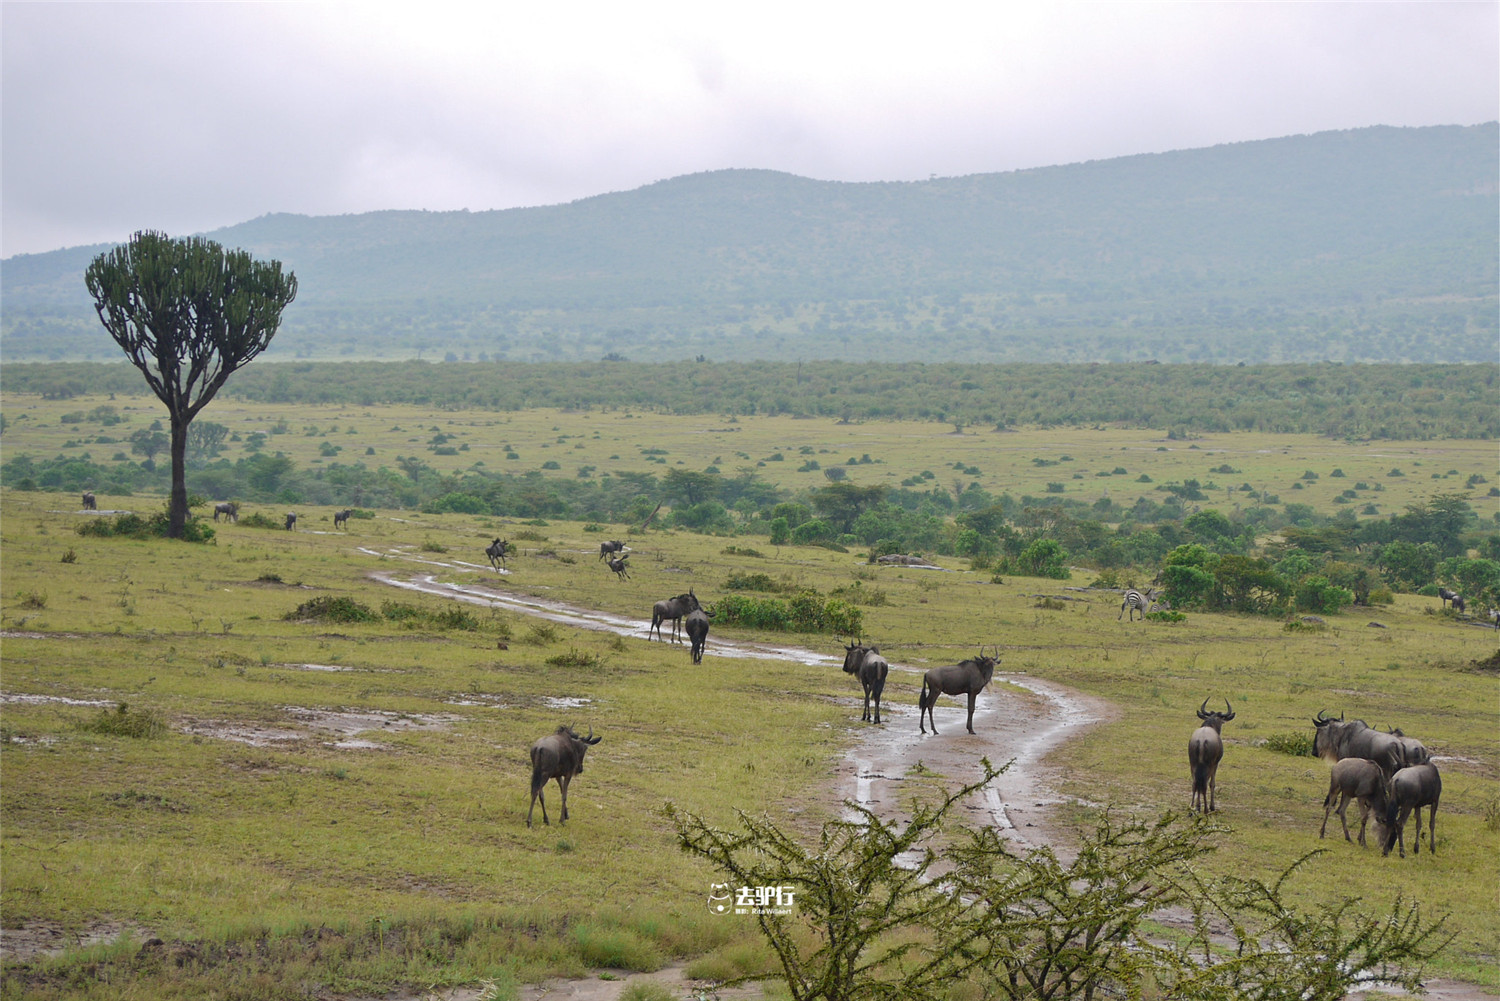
column 408, row 862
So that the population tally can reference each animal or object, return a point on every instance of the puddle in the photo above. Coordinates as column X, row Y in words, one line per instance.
column 311, row 724
column 35, row 700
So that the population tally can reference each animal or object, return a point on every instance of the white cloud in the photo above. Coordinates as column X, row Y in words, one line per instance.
column 186, row 117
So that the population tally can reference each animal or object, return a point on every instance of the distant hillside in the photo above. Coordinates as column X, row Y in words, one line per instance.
column 1377, row 244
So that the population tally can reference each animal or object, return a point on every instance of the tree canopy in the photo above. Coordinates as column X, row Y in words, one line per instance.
column 187, row 313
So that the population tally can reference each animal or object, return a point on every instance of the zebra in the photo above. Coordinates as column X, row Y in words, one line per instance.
column 1135, row 600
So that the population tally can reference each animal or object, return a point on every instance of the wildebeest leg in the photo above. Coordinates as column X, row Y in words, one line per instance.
column 972, row 697
column 537, row 796
column 1328, row 808
column 562, row 783
column 877, row 701
column 1344, row 817
column 1432, row 831
column 1364, row 818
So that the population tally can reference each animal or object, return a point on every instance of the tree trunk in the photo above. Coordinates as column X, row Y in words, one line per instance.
column 177, row 509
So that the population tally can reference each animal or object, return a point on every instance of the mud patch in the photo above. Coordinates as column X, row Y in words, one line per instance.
column 36, row 700
column 315, row 724
column 48, row 938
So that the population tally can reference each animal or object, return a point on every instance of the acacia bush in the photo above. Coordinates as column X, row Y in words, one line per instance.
column 327, row 608
column 868, row 908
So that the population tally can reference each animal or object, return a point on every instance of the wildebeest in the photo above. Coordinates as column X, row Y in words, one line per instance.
column 1413, row 751
column 557, row 756
column 1135, row 600
column 1411, row 789
column 291, row 520
column 341, row 518
column 697, row 630
column 1495, row 617
column 1445, row 595
column 1337, row 739
column 673, row 609
column 497, row 551
column 1458, row 604
column 1354, row 778
column 618, row 565
column 866, row 664
column 228, row 509
column 89, row 504
column 966, row 678
column 1205, row 750
column 612, row 546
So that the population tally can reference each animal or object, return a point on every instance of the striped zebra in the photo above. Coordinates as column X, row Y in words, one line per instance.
column 1135, row 600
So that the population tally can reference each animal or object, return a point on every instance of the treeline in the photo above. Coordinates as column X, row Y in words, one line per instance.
column 1347, row 401
column 1206, row 558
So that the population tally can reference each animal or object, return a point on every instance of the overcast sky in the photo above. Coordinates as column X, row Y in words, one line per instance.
column 185, row 117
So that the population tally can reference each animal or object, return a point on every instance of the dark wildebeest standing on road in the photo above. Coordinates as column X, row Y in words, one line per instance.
column 966, row 678
column 619, row 566
column 89, row 504
column 228, row 509
column 291, row 520
column 610, row 547
column 497, row 551
column 341, row 518
column 1458, row 604
column 1205, row 749
column 557, row 756
column 1411, row 789
column 1354, row 778
column 673, row 609
column 1337, row 740
column 866, row 664
column 697, row 630
column 1445, row 595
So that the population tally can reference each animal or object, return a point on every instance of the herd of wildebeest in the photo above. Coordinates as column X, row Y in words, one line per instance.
column 1388, row 774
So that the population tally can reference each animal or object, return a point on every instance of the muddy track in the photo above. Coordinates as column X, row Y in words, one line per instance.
column 1019, row 719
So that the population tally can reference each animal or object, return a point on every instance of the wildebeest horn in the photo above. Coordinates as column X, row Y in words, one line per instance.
column 1228, row 711
column 1202, row 714
column 591, row 739
column 1322, row 718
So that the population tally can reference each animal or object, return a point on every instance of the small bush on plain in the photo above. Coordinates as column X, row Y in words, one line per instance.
column 327, row 608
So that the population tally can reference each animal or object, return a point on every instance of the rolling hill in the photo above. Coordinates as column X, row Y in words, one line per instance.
column 1372, row 245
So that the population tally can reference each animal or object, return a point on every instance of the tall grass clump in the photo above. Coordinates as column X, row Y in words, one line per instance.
column 327, row 608
column 122, row 721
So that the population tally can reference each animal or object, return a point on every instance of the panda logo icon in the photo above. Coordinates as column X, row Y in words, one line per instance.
column 720, row 899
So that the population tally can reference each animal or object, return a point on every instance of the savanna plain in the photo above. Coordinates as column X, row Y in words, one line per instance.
column 302, row 807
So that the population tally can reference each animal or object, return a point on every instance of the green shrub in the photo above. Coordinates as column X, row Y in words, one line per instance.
column 134, row 526
column 1168, row 615
column 122, row 721
column 1296, row 744
column 751, row 582
column 257, row 520
column 327, row 608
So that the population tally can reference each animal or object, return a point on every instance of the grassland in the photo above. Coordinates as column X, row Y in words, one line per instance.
column 268, row 845
column 1081, row 461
